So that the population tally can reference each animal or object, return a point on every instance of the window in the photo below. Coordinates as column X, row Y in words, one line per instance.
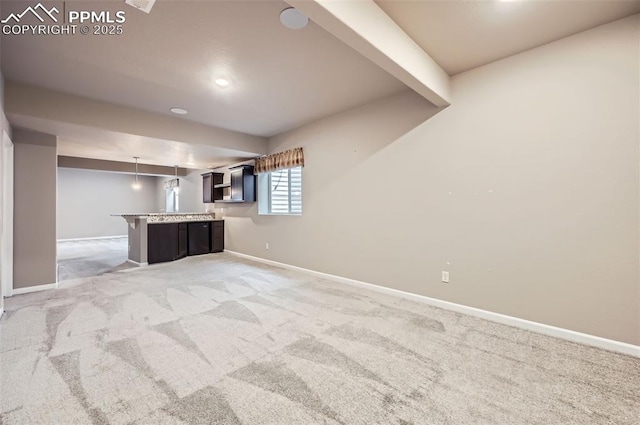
column 280, row 192
column 171, row 200
column 171, row 190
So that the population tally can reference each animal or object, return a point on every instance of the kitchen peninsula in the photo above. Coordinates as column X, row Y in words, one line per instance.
column 160, row 237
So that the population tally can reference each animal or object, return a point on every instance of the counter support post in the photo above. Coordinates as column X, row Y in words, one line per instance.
column 138, row 240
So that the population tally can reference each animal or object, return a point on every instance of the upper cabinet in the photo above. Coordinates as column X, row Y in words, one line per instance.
column 212, row 187
column 243, row 184
column 241, row 188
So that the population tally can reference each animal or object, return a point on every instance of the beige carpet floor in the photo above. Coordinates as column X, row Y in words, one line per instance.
column 92, row 257
column 219, row 340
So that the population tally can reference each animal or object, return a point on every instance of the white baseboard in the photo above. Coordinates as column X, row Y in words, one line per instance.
column 92, row 238
column 582, row 338
column 29, row 289
column 137, row 264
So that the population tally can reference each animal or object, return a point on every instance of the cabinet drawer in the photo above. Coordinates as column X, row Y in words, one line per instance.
column 217, row 236
column 217, row 245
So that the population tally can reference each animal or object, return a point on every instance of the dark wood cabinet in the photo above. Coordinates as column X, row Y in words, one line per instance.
column 182, row 240
column 217, row 236
column 162, row 242
column 199, row 238
column 237, row 186
column 242, row 185
column 172, row 241
column 212, row 187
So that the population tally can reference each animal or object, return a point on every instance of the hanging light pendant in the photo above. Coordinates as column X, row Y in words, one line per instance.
column 176, row 188
column 136, row 185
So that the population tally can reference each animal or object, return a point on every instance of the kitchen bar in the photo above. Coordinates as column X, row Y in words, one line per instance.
column 160, row 237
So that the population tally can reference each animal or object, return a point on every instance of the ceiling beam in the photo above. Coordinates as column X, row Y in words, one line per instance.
column 42, row 105
column 120, row 167
column 365, row 27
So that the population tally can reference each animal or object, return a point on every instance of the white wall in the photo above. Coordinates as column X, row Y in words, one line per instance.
column 87, row 198
column 526, row 189
column 190, row 192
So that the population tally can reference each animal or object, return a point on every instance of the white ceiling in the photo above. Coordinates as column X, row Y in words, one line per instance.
column 89, row 142
column 280, row 78
column 164, row 152
column 463, row 34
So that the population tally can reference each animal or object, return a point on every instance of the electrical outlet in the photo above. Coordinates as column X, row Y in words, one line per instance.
column 266, row 246
column 445, row 276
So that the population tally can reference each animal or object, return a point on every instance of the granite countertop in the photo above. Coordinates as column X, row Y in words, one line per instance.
column 170, row 217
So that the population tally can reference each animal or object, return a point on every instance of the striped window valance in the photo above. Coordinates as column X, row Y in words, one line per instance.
column 280, row 161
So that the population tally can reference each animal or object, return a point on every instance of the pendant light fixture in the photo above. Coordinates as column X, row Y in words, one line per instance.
column 176, row 188
column 136, row 185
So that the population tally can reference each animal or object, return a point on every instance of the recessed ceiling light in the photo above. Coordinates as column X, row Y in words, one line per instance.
column 178, row 111
column 293, row 19
column 222, row 82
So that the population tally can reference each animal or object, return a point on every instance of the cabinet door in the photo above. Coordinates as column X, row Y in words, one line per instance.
column 217, row 236
column 249, row 185
column 182, row 240
column 199, row 238
column 207, row 188
column 236, row 185
column 162, row 242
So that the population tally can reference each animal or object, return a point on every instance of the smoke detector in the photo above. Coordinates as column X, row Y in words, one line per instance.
column 144, row 5
column 293, row 19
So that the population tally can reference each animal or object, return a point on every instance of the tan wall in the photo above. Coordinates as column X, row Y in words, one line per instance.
column 4, row 123
column 34, row 225
column 4, row 126
column 526, row 189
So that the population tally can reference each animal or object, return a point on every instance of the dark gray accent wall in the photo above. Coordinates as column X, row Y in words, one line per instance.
column 34, row 226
